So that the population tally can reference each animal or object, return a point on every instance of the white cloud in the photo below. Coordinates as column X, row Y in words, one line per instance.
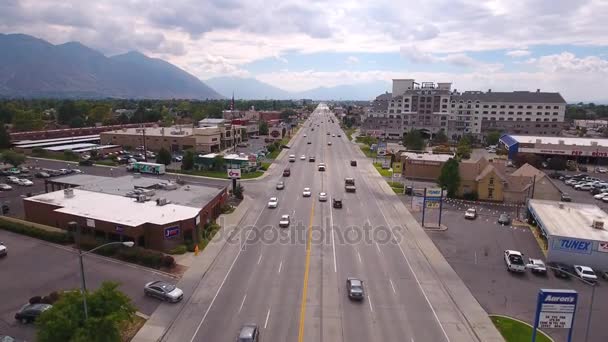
column 518, row 53
column 415, row 55
column 567, row 62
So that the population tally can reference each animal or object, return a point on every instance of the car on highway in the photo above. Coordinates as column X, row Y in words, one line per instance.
column 333, row 135
column 280, row 185
column 25, row 182
column 249, row 333
column 284, row 221
column 329, row 143
column 336, row 203
column 306, row 192
column 5, row 187
column 302, row 157
column 321, row 167
column 470, row 214
column 339, row 135
column 322, row 197
column 86, row 162
column 309, row 142
column 354, row 288
column 353, row 163
column 286, row 172
column 29, row 312
column 163, row 291
column 305, row 135
column 561, row 270
column 3, row 250
column 514, row 261
column 292, row 158
column 311, row 159
column 328, row 133
column 537, row 266
column 273, row 202
column 585, row 273
column 504, row 219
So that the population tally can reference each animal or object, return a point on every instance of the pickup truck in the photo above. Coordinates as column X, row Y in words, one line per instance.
column 349, row 185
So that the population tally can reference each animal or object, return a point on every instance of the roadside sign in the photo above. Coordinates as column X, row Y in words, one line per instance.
column 433, row 192
column 381, row 148
column 398, row 167
column 171, row 232
column 555, row 309
column 234, row 173
column 386, row 163
column 252, row 160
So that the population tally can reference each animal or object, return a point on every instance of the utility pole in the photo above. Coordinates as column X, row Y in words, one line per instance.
column 143, row 132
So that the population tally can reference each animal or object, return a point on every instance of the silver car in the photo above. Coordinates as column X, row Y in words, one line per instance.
column 163, row 291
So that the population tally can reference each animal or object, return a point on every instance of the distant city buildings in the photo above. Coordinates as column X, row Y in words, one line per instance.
column 433, row 107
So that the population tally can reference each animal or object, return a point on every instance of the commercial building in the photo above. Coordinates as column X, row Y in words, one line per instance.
column 431, row 107
column 575, row 232
column 582, row 149
column 154, row 213
column 423, row 166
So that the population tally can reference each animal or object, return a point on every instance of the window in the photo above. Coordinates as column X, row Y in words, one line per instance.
column 547, row 107
column 528, row 107
column 528, row 119
column 555, row 107
column 485, row 106
column 502, row 106
column 493, row 106
column 520, row 107
column 554, row 120
column 539, row 107
column 555, row 113
column 511, row 106
column 490, row 193
column 491, row 181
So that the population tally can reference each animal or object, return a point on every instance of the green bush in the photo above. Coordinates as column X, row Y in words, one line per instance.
column 181, row 249
column 471, row 196
column 149, row 258
column 168, row 261
column 39, row 152
column 56, row 237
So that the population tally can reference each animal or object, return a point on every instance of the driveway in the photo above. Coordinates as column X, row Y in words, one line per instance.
column 34, row 267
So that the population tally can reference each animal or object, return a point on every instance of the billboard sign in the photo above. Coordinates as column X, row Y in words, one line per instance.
column 171, row 232
column 433, row 192
column 572, row 245
column 234, row 173
column 555, row 309
column 119, row 229
column 252, row 160
column 602, row 247
column 386, row 163
column 397, row 167
column 381, row 148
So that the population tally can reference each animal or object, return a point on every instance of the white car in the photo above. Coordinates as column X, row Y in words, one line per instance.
column 3, row 250
column 514, row 261
column 284, row 221
column 602, row 170
column 470, row 214
column 273, row 202
column 76, row 171
column 322, row 197
column 302, row 157
column 306, row 192
column 584, row 187
column 585, row 273
column 13, row 179
column 25, row 182
column 600, row 195
column 305, row 135
column 5, row 187
column 329, row 143
column 292, row 158
column 321, row 167
column 537, row 266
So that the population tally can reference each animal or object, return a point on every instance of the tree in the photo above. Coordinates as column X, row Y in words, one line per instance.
column 100, row 113
column 188, row 160
column 238, row 191
column 77, row 122
column 67, row 111
column 263, row 128
column 449, row 178
column 463, row 151
column 163, row 157
column 108, row 309
column 27, row 120
column 493, row 137
column 285, row 114
column 440, row 138
column 5, row 138
column 413, row 140
column 13, row 158
column 557, row 163
column 219, row 162
column 532, row 159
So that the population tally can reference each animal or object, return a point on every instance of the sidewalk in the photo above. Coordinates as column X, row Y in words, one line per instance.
column 165, row 315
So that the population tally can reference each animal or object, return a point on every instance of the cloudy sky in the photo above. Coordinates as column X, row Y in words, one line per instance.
column 554, row 45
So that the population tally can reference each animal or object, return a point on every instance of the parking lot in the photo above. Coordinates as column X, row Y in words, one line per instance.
column 474, row 248
column 29, row 277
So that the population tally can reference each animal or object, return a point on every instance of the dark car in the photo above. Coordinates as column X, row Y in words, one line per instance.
column 561, row 270
column 163, row 291
column 504, row 219
column 337, row 203
column 249, row 333
column 309, row 143
column 354, row 287
column 42, row 174
column 29, row 312
column 86, row 162
column 286, row 172
column 353, row 163
column 582, row 168
column 311, row 159
column 556, row 175
column 565, row 197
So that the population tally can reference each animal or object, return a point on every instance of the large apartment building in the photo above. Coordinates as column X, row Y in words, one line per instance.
column 431, row 107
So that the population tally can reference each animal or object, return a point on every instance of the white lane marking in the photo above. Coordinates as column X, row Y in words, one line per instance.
column 409, row 265
column 392, row 285
column 260, row 258
column 242, row 302
column 280, row 266
column 333, row 243
column 475, row 257
column 378, row 248
column 200, row 324
column 359, row 255
column 267, row 317
column 369, row 301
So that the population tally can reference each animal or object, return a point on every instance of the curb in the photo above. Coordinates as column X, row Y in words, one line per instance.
column 526, row 323
column 142, row 315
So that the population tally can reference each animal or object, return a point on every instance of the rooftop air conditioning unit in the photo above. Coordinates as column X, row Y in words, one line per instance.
column 161, row 201
column 68, row 193
column 598, row 224
column 141, row 198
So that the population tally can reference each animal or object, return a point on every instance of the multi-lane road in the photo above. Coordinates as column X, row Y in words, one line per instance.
column 291, row 282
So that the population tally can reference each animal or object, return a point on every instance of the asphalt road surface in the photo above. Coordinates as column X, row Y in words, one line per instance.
column 291, row 282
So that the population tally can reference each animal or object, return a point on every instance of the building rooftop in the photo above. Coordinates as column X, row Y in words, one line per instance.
column 59, row 140
column 570, row 219
column 191, row 195
column 427, row 156
column 118, row 209
column 174, row 131
column 511, row 96
column 529, row 139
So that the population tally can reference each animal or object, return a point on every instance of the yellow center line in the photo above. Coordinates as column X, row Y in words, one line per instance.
column 307, row 267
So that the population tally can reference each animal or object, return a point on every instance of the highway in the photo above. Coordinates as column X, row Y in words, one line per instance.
column 291, row 282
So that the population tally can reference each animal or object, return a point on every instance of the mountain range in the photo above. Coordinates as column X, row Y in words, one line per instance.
column 251, row 88
column 31, row 67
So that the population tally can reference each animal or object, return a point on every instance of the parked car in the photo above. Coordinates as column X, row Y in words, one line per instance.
column 42, row 174
column 470, row 214
column 280, row 185
column 537, row 266
column 25, row 182
column 337, row 203
column 29, row 312
column 514, row 261
column 284, row 221
column 354, row 288
column 561, row 270
column 504, row 219
column 585, row 273
column 5, row 187
column 163, row 291
column 12, row 179
column 273, row 202
column 3, row 250
column 249, row 333
column 565, row 197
